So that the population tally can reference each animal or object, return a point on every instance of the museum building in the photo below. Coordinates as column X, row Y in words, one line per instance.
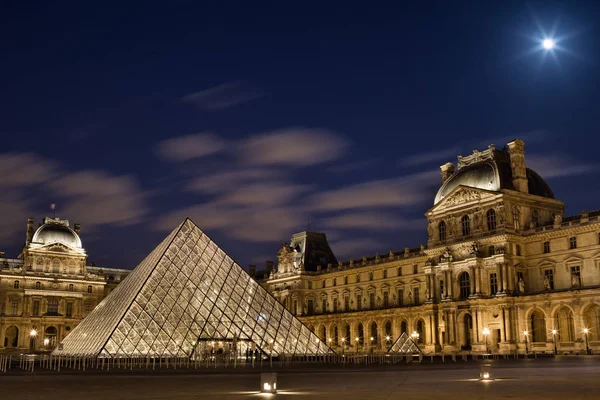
column 504, row 270
column 49, row 288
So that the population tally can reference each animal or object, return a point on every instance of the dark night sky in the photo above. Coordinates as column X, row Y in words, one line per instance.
column 249, row 117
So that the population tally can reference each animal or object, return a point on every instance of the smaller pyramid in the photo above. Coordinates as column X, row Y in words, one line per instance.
column 404, row 345
column 183, row 298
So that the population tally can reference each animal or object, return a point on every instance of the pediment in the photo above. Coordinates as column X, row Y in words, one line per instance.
column 58, row 248
column 462, row 195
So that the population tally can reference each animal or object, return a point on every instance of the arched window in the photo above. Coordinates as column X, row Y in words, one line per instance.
column 591, row 320
column 566, row 329
column 403, row 327
column 535, row 217
column 90, row 289
column 388, row 329
column 465, row 285
column 374, row 332
column 323, row 333
column 361, row 334
column 516, row 216
column 15, row 284
column 420, row 331
column 466, row 225
column 347, row 334
column 491, row 219
column 442, row 230
column 335, row 338
column 538, row 326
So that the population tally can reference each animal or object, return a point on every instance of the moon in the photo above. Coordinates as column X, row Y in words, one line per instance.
column 548, row 44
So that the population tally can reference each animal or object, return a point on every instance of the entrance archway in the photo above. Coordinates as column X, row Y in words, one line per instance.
column 50, row 337
column 11, row 336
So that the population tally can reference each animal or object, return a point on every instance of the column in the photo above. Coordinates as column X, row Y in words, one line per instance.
column 454, row 341
column 433, row 329
column 504, row 269
column 447, row 327
column 473, row 280
column 449, row 284
column 446, row 281
column 499, row 278
column 478, row 279
column 428, row 286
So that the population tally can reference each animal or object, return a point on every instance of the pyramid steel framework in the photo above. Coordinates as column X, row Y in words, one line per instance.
column 404, row 345
column 186, row 292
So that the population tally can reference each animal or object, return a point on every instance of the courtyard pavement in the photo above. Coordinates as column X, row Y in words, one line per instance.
column 560, row 378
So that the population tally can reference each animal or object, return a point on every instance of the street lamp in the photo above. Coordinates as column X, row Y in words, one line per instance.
column 415, row 336
column 32, row 335
column 586, row 331
column 554, row 332
column 526, row 334
column 486, row 332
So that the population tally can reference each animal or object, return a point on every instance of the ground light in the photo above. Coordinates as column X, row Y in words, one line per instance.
column 485, row 373
column 268, row 382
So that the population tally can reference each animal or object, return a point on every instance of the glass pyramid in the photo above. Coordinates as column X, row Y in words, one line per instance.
column 185, row 293
column 404, row 345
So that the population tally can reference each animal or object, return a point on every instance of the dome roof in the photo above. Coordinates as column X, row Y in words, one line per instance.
column 56, row 232
column 492, row 174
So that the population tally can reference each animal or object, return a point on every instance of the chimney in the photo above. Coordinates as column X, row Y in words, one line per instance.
column 252, row 270
column 29, row 233
column 516, row 149
column 446, row 170
column 269, row 265
column 77, row 228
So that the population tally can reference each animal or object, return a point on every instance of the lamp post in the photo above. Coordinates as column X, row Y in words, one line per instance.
column 586, row 331
column 343, row 346
column 356, row 339
column 387, row 340
column 526, row 334
column 486, row 333
column 554, row 332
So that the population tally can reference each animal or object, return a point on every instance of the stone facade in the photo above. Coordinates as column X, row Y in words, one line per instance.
column 49, row 289
column 503, row 271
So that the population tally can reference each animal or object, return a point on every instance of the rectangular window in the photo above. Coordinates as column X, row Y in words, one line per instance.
column 334, row 281
column 359, row 302
column 416, row 294
column 345, row 280
column 335, row 305
column 400, row 271
column 88, row 307
column 14, row 307
column 386, row 299
column 52, row 306
column 346, row 304
column 415, row 269
column 573, row 242
column 36, row 308
column 546, row 247
column 310, row 307
column 441, row 288
column 400, row 298
column 69, row 312
column 576, row 276
column 372, row 300
column 493, row 284
column 549, row 279
column 384, row 273
column 89, row 289
column 324, row 305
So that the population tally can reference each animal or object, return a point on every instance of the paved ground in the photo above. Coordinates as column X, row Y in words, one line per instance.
column 561, row 378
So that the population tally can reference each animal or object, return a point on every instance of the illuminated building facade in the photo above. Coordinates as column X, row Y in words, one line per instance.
column 503, row 270
column 49, row 289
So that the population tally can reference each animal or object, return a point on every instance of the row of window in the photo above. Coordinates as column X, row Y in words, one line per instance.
column 347, row 340
column 51, row 310
column 373, row 302
column 38, row 285
column 465, row 223
column 371, row 277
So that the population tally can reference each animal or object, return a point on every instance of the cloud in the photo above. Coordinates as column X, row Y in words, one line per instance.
column 403, row 191
column 557, row 166
column 430, row 157
column 249, row 224
column 14, row 209
column 184, row 148
column 222, row 96
column 371, row 220
column 266, row 194
column 97, row 197
column 226, row 181
column 297, row 147
column 25, row 169
column 355, row 248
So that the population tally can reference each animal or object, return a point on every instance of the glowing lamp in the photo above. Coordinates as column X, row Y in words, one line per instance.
column 33, row 333
column 268, row 382
column 586, row 330
column 485, row 374
column 46, row 342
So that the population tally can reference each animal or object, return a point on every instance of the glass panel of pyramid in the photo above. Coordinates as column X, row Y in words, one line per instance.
column 404, row 345
column 188, row 291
